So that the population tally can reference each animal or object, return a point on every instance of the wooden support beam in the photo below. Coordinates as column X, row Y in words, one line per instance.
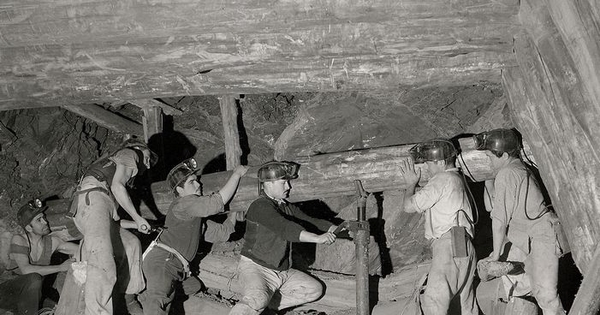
column 229, row 116
column 152, row 120
column 557, row 113
column 94, row 51
column 106, row 118
column 329, row 175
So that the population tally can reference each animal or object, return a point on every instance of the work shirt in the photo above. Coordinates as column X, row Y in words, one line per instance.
column 186, row 223
column 442, row 199
column 518, row 196
column 270, row 229
column 516, row 191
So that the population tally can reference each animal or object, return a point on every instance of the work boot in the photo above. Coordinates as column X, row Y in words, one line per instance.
column 133, row 306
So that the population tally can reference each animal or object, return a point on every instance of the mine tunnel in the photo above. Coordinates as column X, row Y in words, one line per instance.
column 342, row 88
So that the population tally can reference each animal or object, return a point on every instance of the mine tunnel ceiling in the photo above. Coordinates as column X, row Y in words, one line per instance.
column 72, row 53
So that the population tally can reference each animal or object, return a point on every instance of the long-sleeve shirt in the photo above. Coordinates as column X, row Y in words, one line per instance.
column 271, row 228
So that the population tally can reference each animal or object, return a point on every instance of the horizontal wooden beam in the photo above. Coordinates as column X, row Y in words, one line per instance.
column 330, row 175
column 106, row 118
column 95, row 51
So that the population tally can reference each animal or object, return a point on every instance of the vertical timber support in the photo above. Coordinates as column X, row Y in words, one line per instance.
column 233, row 150
column 152, row 120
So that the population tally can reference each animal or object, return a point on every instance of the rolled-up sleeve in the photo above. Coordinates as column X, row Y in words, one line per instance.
column 198, row 206
column 218, row 232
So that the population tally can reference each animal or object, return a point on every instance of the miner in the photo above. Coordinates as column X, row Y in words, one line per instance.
column 166, row 261
column 521, row 216
column 272, row 226
column 448, row 226
column 112, row 254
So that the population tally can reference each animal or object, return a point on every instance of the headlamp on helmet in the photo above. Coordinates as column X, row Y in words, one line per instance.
column 276, row 170
column 432, row 150
column 181, row 172
column 498, row 140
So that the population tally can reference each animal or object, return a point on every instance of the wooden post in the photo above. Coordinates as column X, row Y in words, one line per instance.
column 233, row 151
column 152, row 120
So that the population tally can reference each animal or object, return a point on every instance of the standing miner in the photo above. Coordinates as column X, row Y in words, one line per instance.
column 448, row 225
column 521, row 216
column 167, row 259
column 112, row 254
column 272, row 225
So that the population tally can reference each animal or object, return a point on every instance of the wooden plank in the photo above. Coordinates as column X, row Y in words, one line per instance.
column 94, row 51
column 328, row 175
column 553, row 109
column 106, row 118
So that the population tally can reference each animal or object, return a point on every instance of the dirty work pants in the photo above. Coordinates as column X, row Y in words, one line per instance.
column 541, row 265
column 264, row 287
column 450, row 282
column 23, row 293
column 111, row 252
column 162, row 270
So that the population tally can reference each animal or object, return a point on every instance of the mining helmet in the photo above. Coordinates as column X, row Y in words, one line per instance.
column 181, row 172
column 498, row 140
column 29, row 210
column 432, row 150
column 275, row 170
column 135, row 143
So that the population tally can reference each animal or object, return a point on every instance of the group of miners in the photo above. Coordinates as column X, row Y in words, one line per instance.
column 115, row 268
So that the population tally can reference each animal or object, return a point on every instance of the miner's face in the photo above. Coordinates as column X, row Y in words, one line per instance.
column 39, row 225
column 277, row 189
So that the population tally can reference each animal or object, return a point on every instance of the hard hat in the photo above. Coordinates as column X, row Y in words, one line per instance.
column 432, row 150
column 275, row 170
column 498, row 140
column 181, row 172
column 135, row 143
column 29, row 210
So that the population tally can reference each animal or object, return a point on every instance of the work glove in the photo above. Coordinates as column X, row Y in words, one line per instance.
column 192, row 285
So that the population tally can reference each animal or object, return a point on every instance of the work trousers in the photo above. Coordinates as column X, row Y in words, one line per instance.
column 162, row 270
column 111, row 252
column 23, row 293
column 263, row 287
column 541, row 265
column 450, row 281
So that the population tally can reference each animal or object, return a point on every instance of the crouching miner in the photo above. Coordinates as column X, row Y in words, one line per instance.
column 30, row 259
column 166, row 261
column 265, row 268
column 448, row 225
